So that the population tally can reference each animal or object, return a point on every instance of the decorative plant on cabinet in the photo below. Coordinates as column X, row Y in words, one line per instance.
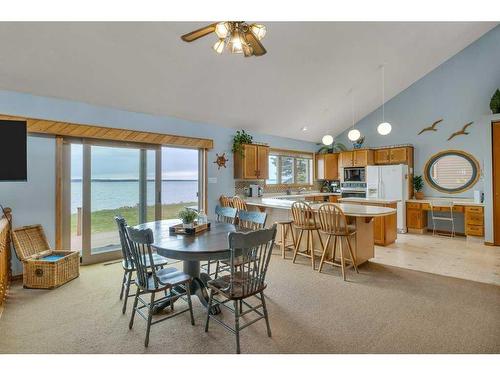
column 418, row 185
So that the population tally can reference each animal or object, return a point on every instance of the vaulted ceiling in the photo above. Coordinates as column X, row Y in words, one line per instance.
column 303, row 80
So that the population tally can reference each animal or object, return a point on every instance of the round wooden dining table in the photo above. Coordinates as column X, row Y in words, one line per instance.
column 192, row 249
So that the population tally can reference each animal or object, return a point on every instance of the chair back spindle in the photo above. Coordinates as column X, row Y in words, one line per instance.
column 239, row 204
column 303, row 216
column 225, row 201
column 124, row 241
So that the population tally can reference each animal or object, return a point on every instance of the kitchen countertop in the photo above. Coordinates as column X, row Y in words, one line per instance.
column 370, row 200
column 355, row 210
column 305, row 194
column 456, row 201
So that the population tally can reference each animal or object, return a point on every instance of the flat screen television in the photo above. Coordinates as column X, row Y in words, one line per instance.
column 13, row 158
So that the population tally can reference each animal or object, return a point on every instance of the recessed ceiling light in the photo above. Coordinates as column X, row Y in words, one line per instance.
column 304, row 128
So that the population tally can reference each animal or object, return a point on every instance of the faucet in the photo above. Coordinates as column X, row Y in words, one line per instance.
column 300, row 190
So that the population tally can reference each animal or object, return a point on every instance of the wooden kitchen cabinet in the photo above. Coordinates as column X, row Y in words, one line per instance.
column 356, row 158
column 254, row 164
column 382, row 156
column 397, row 155
column 327, row 167
column 474, row 221
column 416, row 218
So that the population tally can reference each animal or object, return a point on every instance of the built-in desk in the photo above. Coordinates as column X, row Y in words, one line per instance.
column 416, row 214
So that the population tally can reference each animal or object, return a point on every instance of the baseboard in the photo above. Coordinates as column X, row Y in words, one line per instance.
column 487, row 243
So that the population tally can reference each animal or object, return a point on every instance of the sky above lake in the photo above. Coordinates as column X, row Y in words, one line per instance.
column 123, row 163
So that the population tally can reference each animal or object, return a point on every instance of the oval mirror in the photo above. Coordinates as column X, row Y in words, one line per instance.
column 451, row 171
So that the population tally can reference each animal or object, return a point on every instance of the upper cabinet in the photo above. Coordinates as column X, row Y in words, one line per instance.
column 254, row 164
column 327, row 166
column 397, row 155
column 356, row 158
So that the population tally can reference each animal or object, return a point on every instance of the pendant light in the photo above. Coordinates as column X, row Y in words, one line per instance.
column 384, row 128
column 354, row 134
column 327, row 140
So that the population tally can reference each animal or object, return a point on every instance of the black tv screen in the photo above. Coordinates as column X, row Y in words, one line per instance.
column 13, row 158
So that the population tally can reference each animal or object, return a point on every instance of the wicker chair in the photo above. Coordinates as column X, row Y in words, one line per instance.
column 334, row 224
column 128, row 263
column 250, row 256
column 174, row 283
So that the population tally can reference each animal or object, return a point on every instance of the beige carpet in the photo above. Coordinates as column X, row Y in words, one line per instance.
column 384, row 309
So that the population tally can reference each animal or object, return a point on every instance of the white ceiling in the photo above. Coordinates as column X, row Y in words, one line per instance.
column 303, row 80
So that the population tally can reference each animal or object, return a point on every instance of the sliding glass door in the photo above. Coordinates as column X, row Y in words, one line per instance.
column 139, row 182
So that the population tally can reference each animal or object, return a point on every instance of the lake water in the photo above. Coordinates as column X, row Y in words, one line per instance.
column 115, row 194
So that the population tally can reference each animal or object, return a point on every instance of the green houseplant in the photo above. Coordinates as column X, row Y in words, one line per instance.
column 188, row 217
column 495, row 102
column 334, row 147
column 239, row 139
column 418, row 185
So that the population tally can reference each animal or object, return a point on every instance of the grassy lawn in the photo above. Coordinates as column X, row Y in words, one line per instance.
column 104, row 220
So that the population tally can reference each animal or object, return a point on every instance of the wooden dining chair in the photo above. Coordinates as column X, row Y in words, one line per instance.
column 225, row 201
column 333, row 223
column 304, row 221
column 128, row 263
column 239, row 204
column 174, row 283
column 250, row 254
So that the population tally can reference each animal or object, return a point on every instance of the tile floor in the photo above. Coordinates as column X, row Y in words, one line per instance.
column 459, row 257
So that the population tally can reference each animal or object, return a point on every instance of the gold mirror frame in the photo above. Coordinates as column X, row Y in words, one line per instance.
column 476, row 170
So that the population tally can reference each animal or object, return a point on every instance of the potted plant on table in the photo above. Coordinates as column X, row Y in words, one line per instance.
column 188, row 217
column 418, row 185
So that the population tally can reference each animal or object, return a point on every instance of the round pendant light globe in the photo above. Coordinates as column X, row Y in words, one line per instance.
column 353, row 135
column 384, row 128
column 327, row 140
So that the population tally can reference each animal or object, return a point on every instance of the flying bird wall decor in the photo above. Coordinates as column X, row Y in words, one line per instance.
column 462, row 131
column 431, row 128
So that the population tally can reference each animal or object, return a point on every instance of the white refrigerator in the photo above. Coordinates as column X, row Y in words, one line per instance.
column 389, row 182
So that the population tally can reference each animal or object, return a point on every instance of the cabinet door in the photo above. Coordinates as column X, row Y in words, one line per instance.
column 333, row 199
column 250, row 169
column 360, row 158
column 414, row 219
column 378, row 230
column 331, row 167
column 320, row 167
column 346, row 158
column 381, row 156
column 263, row 162
column 398, row 155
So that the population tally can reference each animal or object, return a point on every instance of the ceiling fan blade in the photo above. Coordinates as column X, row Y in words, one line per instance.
column 193, row 35
column 258, row 48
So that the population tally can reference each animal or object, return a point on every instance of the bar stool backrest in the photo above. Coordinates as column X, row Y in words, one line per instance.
column 225, row 201
column 225, row 214
column 252, row 220
column 303, row 216
column 122, row 231
column 140, row 241
column 239, row 204
column 332, row 219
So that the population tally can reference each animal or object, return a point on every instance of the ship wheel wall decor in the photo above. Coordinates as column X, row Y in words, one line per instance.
column 221, row 160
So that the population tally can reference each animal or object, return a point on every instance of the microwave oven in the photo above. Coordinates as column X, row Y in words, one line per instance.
column 354, row 175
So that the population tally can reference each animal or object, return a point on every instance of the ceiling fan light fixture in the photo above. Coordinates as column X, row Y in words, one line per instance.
column 222, row 30
column 258, row 30
column 236, row 42
column 219, row 46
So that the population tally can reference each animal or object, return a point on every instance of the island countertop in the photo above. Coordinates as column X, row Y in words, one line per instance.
column 354, row 210
column 370, row 200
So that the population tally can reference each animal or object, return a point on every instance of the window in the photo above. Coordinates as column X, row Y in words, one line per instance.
column 290, row 168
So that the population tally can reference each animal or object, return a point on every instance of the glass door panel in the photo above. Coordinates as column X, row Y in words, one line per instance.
column 76, row 197
column 179, row 180
column 114, row 190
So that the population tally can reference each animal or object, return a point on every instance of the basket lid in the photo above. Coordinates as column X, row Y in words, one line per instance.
column 29, row 241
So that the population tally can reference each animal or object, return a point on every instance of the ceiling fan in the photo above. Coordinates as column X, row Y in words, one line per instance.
column 236, row 36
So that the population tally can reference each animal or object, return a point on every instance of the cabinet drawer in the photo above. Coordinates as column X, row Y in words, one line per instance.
column 472, row 209
column 413, row 205
column 474, row 230
column 475, row 219
column 426, row 206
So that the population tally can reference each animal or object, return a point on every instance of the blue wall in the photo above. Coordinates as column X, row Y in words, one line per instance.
column 34, row 201
column 457, row 91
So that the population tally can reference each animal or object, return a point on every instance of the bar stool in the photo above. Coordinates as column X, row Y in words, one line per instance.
column 225, row 201
column 334, row 224
column 304, row 221
column 239, row 203
column 285, row 226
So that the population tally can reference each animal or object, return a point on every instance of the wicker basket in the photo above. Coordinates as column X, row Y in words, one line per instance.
column 31, row 247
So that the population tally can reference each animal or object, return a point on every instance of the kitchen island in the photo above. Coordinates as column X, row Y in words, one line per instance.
column 361, row 216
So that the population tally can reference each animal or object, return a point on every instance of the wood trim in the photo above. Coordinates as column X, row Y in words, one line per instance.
column 5, row 264
column 67, row 129
column 291, row 152
column 59, row 192
column 495, row 180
